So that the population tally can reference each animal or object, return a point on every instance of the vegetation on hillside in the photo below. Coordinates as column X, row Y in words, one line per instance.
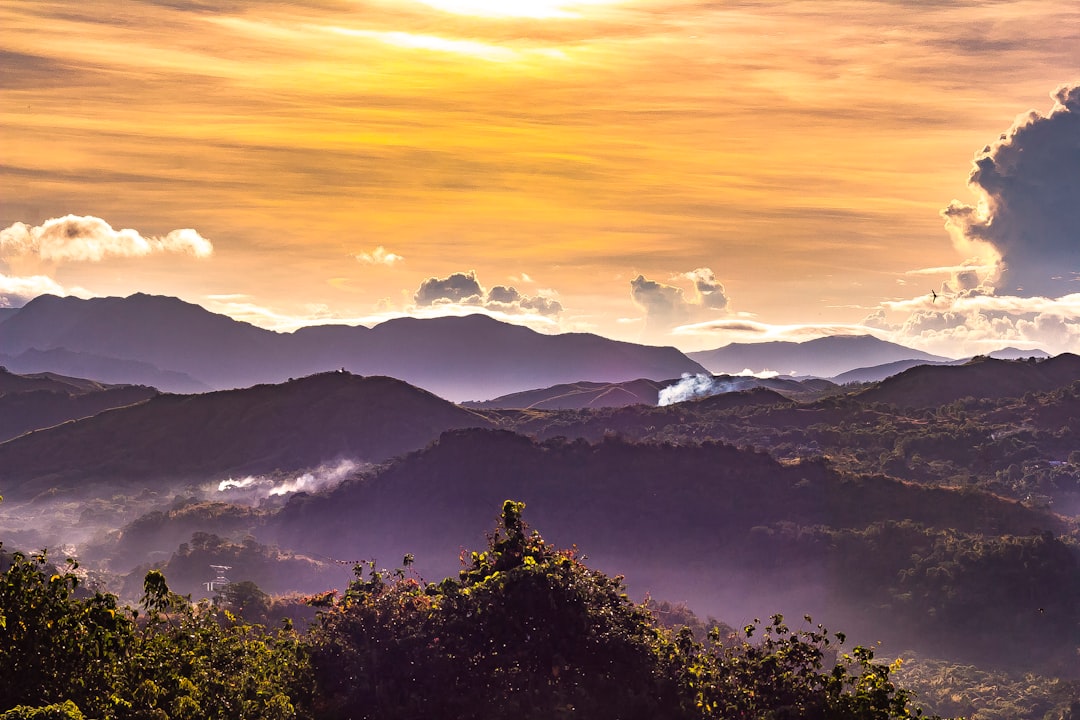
column 525, row 631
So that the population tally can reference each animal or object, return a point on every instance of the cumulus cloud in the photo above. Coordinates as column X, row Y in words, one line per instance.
column 75, row 238
column 378, row 256
column 1028, row 210
column 1021, row 289
column 710, row 292
column 667, row 306
column 976, row 322
column 465, row 289
column 17, row 291
column 460, row 288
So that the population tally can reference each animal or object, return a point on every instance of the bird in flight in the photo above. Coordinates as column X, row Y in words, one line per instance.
column 933, row 296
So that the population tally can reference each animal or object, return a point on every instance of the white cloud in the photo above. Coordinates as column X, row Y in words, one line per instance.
column 16, row 291
column 667, row 306
column 75, row 238
column 379, row 256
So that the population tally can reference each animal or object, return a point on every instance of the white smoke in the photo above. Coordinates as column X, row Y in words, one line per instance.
column 253, row 488
column 695, row 387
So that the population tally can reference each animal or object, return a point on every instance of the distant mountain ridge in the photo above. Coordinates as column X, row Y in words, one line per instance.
column 470, row 357
column 825, row 357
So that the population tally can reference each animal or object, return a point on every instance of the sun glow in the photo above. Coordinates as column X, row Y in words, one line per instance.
column 518, row 8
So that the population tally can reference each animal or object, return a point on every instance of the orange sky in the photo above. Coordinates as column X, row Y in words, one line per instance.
column 336, row 154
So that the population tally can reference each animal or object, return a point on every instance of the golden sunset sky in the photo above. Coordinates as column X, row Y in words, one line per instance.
column 684, row 172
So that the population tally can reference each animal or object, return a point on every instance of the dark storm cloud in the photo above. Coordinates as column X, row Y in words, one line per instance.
column 1030, row 179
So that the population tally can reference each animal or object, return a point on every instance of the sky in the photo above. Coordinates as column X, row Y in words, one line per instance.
column 688, row 173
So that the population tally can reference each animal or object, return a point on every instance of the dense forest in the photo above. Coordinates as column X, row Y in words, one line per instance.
column 526, row 630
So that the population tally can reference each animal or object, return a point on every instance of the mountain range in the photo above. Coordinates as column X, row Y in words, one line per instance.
column 460, row 358
column 824, row 357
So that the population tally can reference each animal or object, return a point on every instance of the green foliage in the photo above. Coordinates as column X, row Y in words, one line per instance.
column 195, row 661
column 525, row 631
column 60, row 653
column 55, row 646
column 66, row 710
column 528, row 631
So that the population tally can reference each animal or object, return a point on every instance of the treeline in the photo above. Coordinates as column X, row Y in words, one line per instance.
column 1020, row 447
column 526, row 630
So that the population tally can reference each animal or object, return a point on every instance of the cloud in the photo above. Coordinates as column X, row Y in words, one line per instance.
column 16, row 291
column 460, row 288
column 465, row 289
column 75, row 238
column 973, row 322
column 1028, row 211
column 710, row 292
column 667, row 306
column 379, row 256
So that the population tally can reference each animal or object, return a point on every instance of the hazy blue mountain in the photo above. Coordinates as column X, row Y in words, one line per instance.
column 1012, row 353
column 472, row 357
column 109, row 370
column 580, row 395
column 164, row 332
column 877, row 373
column 824, row 357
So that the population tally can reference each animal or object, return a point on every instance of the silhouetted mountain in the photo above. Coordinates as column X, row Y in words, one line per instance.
column 477, row 357
column 824, row 357
column 102, row 369
column 296, row 425
column 982, row 377
column 580, row 395
column 165, row 332
column 877, row 373
column 472, row 357
column 1011, row 353
column 31, row 402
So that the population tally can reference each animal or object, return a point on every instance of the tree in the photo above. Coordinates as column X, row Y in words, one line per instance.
column 528, row 631
column 55, row 646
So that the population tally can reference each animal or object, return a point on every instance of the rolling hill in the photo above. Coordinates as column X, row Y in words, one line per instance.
column 982, row 377
column 32, row 402
column 296, row 425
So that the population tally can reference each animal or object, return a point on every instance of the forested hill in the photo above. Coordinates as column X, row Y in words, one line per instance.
column 730, row 531
column 31, row 402
column 985, row 378
column 298, row 424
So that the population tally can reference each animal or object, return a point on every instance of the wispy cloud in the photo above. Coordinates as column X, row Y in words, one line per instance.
column 379, row 256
